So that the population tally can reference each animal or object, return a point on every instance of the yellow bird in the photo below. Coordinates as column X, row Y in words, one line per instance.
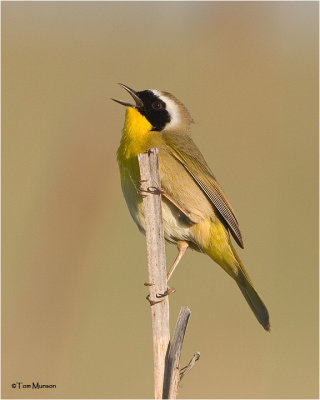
column 196, row 212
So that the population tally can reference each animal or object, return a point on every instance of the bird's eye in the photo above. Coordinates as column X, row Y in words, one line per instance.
column 156, row 105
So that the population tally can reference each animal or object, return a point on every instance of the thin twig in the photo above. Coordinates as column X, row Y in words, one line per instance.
column 148, row 163
column 187, row 368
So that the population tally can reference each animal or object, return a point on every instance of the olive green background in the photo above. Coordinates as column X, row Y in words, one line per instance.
column 74, row 312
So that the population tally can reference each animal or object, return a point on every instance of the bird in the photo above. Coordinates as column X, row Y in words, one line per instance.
column 195, row 210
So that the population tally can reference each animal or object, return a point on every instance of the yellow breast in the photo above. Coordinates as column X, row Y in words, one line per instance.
column 136, row 134
column 137, row 137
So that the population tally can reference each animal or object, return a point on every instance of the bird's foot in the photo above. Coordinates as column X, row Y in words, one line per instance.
column 159, row 295
column 152, row 302
column 149, row 190
column 169, row 291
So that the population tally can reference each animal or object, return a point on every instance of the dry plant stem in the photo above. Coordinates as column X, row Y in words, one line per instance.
column 172, row 371
column 149, row 175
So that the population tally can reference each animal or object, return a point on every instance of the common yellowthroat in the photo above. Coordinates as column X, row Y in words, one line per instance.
column 195, row 210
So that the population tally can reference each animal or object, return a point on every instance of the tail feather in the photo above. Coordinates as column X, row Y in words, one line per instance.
column 229, row 260
column 254, row 301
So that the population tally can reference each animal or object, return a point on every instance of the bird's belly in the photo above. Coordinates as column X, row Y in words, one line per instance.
column 176, row 226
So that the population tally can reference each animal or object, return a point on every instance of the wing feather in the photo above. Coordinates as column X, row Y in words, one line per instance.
column 186, row 152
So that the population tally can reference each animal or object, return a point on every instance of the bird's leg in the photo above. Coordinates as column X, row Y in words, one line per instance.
column 176, row 204
column 155, row 190
column 182, row 247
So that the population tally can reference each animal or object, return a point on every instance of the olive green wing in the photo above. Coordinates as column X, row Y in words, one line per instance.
column 186, row 152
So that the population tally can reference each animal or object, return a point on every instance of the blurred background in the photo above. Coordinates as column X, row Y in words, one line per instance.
column 74, row 312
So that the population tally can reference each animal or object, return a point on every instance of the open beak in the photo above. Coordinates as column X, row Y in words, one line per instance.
column 139, row 102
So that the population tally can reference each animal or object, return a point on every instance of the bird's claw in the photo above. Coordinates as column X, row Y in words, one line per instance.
column 160, row 295
column 149, row 190
column 155, row 190
column 152, row 302
column 166, row 293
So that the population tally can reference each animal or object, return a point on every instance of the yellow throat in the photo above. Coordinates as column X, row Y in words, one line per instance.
column 136, row 134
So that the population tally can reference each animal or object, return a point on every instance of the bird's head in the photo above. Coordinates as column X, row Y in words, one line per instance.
column 162, row 110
